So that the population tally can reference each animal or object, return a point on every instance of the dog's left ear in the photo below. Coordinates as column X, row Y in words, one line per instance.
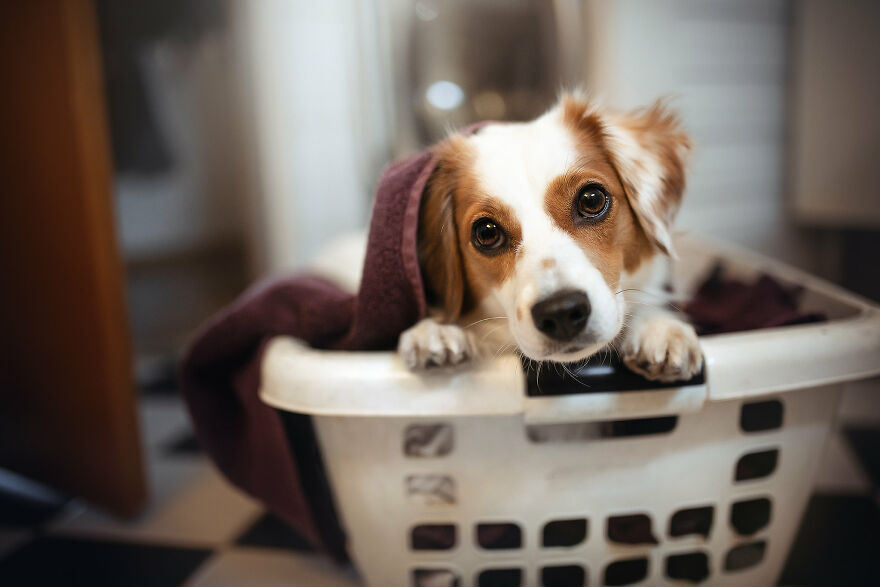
column 649, row 150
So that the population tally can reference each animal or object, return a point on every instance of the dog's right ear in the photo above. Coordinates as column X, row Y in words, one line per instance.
column 440, row 256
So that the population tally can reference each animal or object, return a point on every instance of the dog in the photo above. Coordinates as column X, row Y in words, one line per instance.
column 552, row 238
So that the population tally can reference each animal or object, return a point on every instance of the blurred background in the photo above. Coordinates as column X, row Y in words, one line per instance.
column 246, row 135
column 232, row 139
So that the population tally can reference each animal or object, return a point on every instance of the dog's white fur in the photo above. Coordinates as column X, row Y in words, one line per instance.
column 516, row 163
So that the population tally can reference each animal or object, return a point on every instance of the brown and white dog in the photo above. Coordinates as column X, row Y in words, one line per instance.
column 553, row 237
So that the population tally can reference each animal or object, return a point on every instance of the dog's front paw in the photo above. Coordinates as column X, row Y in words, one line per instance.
column 431, row 344
column 662, row 348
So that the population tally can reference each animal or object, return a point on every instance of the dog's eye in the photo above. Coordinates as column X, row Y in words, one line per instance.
column 592, row 202
column 487, row 235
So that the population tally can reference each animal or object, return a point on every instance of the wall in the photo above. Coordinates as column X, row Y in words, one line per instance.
column 724, row 63
column 318, row 122
column 836, row 128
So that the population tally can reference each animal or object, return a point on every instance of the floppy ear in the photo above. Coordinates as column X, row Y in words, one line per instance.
column 439, row 252
column 649, row 150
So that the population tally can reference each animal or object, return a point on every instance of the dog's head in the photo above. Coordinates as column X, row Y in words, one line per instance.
column 540, row 221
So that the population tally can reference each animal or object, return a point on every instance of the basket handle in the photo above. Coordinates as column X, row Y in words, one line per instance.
column 596, row 406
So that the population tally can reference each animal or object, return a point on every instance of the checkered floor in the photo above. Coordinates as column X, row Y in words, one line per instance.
column 199, row 531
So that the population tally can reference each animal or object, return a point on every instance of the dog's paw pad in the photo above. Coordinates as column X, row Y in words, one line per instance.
column 663, row 349
column 430, row 344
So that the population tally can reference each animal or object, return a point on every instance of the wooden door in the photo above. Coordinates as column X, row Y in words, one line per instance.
column 67, row 404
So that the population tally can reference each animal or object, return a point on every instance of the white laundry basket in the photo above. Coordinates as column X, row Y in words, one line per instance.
column 456, row 475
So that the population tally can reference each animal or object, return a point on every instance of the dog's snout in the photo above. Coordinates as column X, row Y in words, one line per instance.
column 563, row 315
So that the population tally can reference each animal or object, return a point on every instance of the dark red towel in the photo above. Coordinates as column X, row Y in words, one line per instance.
column 220, row 375
column 730, row 305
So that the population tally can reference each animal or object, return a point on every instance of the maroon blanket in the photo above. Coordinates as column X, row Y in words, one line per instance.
column 730, row 305
column 221, row 371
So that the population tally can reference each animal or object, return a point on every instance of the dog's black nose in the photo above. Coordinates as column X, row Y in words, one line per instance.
column 563, row 315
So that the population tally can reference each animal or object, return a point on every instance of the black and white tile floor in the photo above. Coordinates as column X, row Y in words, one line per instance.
column 199, row 531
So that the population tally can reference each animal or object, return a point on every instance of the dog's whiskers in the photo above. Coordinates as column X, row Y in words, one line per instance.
column 661, row 296
column 489, row 333
column 503, row 349
column 485, row 319
column 616, row 350
column 573, row 376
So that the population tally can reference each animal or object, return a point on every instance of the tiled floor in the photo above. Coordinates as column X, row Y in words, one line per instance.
column 197, row 529
column 200, row 531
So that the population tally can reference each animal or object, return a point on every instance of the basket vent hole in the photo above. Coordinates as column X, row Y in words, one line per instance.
column 756, row 465
column 564, row 532
column 691, row 566
column 625, row 572
column 500, row 578
column 692, row 521
column 631, row 529
column 640, row 427
column 745, row 556
column 427, row 440
column 747, row 517
column 435, row 578
column 588, row 431
column 433, row 537
column 758, row 416
column 563, row 576
column 499, row 536
column 431, row 490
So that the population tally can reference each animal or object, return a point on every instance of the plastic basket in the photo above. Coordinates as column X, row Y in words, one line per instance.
column 444, row 475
